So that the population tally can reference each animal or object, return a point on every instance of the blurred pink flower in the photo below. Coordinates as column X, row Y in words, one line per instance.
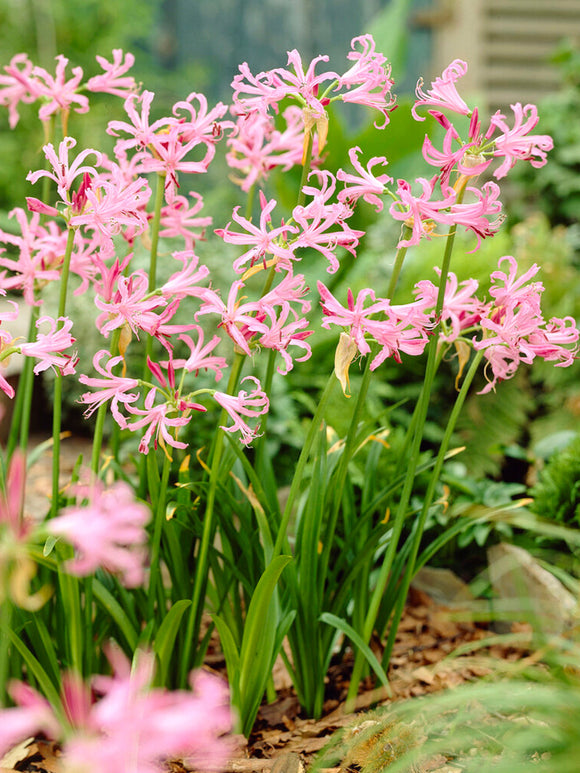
column 257, row 146
column 17, row 86
column 179, row 219
column 107, row 532
column 57, row 92
column 114, row 80
column 122, row 724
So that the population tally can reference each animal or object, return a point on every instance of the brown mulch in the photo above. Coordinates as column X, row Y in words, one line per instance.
column 284, row 741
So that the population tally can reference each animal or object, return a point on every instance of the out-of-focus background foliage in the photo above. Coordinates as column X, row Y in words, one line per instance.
column 517, row 51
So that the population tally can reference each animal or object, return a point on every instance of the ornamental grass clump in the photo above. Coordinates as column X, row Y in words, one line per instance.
column 169, row 528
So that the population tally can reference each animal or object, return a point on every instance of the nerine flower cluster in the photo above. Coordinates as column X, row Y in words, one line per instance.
column 100, row 211
column 102, row 207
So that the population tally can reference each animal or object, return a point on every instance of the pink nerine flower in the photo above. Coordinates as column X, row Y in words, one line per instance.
column 108, row 532
column 64, row 174
column 238, row 318
column 17, row 86
column 466, row 160
column 132, row 305
column 114, row 80
column 461, row 308
column 265, row 240
column 514, row 329
column 142, row 133
column 200, row 357
column 49, row 347
column 158, row 422
column 443, row 93
column 366, row 184
column 252, row 403
column 399, row 328
column 368, row 81
column 518, row 143
column 419, row 212
column 319, row 216
column 110, row 387
column 61, row 94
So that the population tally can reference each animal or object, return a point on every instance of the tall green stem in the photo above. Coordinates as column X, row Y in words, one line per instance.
column 5, row 625
column 305, row 169
column 427, row 502
column 20, row 423
column 302, row 459
column 155, row 585
column 101, row 414
column 200, row 579
column 159, row 199
column 152, row 286
column 57, row 410
column 424, row 400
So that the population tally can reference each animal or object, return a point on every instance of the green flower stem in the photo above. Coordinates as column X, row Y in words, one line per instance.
column 250, row 202
column 5, row 625
column 267, row 386
column 399, row 260
column 201, row 567
column 159, row 198
column 152, row 286
column 88, row 626
column 353, row 426
column 101, row 414
column 305, row 170
column 427, row 502
column 413, row 462
column 21, row 415
column 155, row 583
column 20, row 423
column 57, row 411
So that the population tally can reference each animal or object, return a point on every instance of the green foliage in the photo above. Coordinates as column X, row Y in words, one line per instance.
column 555, row 188
column 557, row 492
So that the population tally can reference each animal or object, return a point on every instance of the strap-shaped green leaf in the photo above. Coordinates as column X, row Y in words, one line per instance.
column 232, row 657
column 116, row 611
column 165, row 639
column 258, row 642
column 47, row 686
column 356, row 639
